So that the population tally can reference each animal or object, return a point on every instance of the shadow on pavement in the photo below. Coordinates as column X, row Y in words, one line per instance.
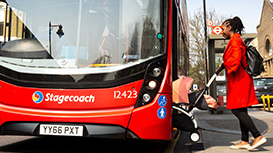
column 219, row 131
column 81, row 145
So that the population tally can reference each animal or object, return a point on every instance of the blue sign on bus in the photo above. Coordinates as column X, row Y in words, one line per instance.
column 162, row 101
column 162, row 112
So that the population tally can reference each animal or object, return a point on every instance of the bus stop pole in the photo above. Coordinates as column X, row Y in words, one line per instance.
column 206, row 39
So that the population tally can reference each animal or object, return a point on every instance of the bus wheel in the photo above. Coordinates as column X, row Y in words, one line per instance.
column 194, row 136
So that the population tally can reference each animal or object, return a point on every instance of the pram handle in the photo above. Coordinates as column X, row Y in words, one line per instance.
column 215, row 75
column 220, row 69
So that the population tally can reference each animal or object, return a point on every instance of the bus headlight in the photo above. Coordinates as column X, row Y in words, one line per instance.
column 152, row 85
column 157, row 71
column 153, row 78
column 146, row 97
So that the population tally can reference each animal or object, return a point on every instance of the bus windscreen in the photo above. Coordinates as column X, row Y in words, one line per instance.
column 81, row 34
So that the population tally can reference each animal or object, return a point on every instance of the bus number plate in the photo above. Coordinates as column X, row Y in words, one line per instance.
column 62, row 130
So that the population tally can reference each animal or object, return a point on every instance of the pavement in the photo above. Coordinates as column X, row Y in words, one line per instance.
column 221, row 130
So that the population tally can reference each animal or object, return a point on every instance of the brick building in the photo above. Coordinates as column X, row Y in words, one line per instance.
column 265, row 37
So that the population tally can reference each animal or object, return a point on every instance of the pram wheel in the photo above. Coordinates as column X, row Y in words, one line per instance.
column 211, row 111
column 195, row 136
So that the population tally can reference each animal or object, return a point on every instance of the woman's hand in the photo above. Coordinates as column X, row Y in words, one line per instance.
column 221, row 67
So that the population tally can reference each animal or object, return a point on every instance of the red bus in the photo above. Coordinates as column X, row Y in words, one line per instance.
column 91, row 68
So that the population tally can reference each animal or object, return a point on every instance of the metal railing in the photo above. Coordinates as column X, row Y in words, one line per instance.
column 268, row 101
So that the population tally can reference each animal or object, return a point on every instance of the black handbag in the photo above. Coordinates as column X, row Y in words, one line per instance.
column 254, row 61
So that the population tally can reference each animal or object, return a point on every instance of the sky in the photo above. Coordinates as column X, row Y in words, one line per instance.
column 248, row 10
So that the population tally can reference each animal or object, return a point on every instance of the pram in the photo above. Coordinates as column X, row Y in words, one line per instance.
column 183, row 119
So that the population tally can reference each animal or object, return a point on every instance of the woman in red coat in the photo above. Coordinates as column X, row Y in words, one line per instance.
column 240, row 88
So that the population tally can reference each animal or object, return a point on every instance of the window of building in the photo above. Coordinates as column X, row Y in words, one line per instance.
column 268, row 47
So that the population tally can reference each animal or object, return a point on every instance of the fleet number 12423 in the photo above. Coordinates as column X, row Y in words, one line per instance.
column 125, row 94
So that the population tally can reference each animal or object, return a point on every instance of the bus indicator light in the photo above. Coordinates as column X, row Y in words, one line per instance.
column 146, row 97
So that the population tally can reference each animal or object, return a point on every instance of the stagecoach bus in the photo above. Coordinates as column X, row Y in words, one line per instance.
column 91, row 68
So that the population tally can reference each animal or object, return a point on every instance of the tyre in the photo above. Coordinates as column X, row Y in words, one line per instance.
column 195, row 137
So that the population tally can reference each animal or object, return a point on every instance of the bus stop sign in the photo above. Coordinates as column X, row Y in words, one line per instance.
column 216, row 30
column 210, row 23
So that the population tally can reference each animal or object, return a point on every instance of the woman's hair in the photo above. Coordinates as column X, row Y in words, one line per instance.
column 236, row 24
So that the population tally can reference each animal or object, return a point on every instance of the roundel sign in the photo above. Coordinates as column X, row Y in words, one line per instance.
column 216, row 30
column 209, row 23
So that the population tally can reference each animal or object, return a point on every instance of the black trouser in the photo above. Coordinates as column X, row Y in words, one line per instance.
column 246, row 124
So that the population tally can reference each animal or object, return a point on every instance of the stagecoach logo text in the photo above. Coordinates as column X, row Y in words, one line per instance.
column 38, row 97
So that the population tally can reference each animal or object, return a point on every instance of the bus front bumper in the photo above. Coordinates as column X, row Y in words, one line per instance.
column 89, row 130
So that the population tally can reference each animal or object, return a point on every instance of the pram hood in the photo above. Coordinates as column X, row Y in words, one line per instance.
column 181, row 89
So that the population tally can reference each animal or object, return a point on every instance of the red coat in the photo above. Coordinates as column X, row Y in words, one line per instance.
column 240, row 87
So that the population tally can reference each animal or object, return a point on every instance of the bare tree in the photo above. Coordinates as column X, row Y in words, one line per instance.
column 197, row 42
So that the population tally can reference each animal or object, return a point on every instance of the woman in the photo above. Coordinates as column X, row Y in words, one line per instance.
column 240, row 88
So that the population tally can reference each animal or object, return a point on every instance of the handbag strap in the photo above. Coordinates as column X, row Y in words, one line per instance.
column 243, row 65
column 246, row 48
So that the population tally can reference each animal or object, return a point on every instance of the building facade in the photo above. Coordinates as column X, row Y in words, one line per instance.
column 265, row 37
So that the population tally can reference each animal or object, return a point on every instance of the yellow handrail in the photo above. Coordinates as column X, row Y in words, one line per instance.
column 268, row 101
